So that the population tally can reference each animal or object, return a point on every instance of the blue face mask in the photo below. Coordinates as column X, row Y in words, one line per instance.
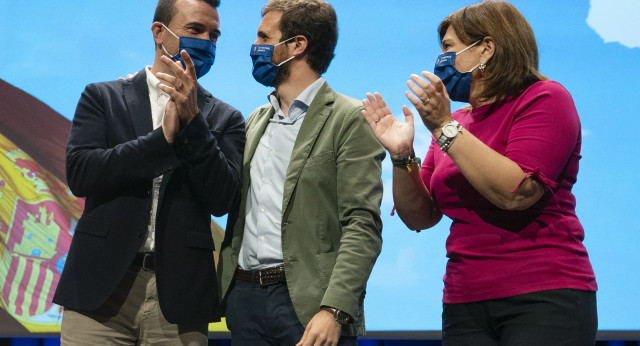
column 264, row 71
column 202, row 52
column 458, row 84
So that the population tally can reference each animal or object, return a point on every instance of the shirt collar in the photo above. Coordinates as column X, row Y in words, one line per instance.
column 299, row 106
column 155, row 93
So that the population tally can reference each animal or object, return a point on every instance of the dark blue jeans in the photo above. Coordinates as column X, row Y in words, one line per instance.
column 553, row 317
column 264, row 316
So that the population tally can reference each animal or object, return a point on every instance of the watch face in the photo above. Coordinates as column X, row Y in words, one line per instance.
column 342, row 317
column 450, row 130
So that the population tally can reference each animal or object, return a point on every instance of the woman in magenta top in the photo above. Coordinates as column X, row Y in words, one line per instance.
column 502, row 170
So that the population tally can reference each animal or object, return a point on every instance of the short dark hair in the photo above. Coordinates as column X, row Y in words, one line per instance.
column 514, row 64
column 314, row 19
column 166, row 9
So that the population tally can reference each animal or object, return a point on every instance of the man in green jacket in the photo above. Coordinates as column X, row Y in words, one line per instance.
column 295, row 263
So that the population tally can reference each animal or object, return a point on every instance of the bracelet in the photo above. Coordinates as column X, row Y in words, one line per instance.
column 407, row 161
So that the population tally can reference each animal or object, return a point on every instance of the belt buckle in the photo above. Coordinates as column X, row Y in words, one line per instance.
column 144, row 261
column 260, row 277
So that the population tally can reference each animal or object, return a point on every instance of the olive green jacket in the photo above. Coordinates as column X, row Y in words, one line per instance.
column 331, row 226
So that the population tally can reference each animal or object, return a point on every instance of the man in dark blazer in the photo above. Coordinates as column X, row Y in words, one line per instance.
column 155, row 156
column 294, row 266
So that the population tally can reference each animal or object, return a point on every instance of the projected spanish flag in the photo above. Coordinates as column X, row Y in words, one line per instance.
column 37, row 210
column 38, row 213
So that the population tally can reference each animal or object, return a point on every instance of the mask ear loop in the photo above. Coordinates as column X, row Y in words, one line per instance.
column 280, row 64
column 176, row 36
column 481, row 63
column 469, row 46
column 283, row 42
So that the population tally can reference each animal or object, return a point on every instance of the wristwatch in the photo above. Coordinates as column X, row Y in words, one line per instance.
column 450, row 131
column 341, row 317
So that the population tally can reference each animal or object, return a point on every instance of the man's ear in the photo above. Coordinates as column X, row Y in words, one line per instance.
column 299, row 46
column 156, row 30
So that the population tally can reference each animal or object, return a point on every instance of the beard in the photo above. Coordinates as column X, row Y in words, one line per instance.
column 284, row 71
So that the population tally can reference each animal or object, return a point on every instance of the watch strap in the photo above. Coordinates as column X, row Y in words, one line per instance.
column 444, row 141
column 340, row 316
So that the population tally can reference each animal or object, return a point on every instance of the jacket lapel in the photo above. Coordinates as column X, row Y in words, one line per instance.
column 315, row 119
column 136, row 94
column 255, row 130
column 204, row 101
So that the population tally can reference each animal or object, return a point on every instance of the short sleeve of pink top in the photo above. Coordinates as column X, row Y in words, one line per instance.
column 495, row 253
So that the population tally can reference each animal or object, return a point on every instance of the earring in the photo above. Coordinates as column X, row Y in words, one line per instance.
column 481, row 68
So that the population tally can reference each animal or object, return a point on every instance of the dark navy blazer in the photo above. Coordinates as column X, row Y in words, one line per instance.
column 113, row 154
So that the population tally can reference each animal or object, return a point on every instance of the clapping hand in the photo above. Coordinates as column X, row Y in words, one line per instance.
column 430, row 99
column 395, row 136
column 182, row 87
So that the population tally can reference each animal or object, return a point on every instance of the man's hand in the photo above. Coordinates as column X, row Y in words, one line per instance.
column 129, row 76
column 322, row 330
column 182, row 87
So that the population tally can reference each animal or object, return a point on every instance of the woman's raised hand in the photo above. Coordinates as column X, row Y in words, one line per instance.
column 430, row 98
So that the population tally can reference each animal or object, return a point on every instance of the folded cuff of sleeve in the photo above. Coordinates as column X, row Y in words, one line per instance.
column 537, row 175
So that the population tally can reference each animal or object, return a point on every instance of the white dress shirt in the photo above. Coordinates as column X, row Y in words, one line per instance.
column 158, row 100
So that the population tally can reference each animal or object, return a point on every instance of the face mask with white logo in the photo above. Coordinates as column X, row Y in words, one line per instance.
column 264, row 70
column 458, row 83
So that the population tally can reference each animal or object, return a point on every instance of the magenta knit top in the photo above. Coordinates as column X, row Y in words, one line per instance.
column 495, row 253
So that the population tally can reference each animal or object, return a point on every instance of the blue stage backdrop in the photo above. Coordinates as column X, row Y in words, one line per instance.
column 52, row 49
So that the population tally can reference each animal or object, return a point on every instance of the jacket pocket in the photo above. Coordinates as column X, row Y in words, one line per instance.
column 320, row 158
column 200, row 240
column 93, row 226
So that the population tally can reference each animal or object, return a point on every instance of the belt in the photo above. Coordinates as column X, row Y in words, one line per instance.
column 264, row 277
column 144, row 260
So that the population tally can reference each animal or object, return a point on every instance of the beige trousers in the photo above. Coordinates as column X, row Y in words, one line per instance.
column 131, row 316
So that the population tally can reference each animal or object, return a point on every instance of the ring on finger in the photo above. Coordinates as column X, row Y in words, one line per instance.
column 426, row 101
